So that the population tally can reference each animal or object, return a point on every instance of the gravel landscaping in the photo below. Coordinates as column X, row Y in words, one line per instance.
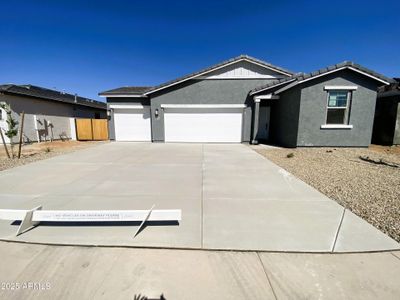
column 38, row 151
column 369, row 189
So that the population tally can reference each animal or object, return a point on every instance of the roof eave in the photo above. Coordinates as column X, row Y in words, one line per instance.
column 122, row 95
column 271, row 87
column 351, row 67
column 87, row 104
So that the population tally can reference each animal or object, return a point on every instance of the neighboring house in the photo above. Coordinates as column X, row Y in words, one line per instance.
column 245, row 100
column 387, row 115
column 49, row 114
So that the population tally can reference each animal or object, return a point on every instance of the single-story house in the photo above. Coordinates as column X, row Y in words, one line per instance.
column 387, row 115
column 245, row 99
column 49, row 114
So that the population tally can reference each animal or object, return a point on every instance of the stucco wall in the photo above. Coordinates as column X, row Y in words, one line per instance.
column 52, row 118
column 313, row 111
column 285, row 118
column 226, row 91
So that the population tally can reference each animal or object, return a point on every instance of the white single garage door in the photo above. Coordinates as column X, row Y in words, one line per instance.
column 132, row 124
column 203, row 125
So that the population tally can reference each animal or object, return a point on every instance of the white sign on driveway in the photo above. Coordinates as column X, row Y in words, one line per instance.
column 31, row 218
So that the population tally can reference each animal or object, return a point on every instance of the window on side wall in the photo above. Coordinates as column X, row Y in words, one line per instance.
column 338, row 107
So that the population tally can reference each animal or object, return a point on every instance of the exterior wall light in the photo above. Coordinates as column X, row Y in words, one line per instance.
column 156, row 113
column 109, row 113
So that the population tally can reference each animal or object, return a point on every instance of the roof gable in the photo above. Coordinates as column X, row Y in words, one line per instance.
column 241, row 58
column 243, row 69
column 294, row 80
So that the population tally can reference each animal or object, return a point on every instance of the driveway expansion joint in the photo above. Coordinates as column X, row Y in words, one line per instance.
column 266, row 275
column 338, row 230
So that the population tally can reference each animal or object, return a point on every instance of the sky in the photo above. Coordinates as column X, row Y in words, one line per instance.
column 86, row 47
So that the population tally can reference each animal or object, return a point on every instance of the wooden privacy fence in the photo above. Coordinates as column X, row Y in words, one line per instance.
column 91, row 129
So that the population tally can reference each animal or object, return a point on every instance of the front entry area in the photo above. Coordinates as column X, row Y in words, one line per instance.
column 132, row 124
column 203, row 125
column 264, row 123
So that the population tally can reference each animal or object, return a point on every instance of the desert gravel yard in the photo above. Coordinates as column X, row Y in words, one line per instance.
column 372, row 191
column 38, row 151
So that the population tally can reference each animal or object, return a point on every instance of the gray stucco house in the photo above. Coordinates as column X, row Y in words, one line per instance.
column 49, row 114
column 248, row 100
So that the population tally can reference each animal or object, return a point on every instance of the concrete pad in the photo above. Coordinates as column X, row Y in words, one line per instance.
column 42, row 178
column 333, row 276
column 254, row 184
column 177, row 154
column 308, row 226
column 166, row 180
column 357, row 235
column 230, row 196
column 112, row 273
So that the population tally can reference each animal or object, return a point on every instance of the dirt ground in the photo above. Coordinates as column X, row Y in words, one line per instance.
column 370, row 190
column 38, row 151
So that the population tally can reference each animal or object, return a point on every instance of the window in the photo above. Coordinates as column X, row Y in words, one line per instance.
column 338, row 107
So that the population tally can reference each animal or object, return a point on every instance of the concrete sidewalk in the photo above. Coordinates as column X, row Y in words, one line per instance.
column 66, row 272
column 230, row 196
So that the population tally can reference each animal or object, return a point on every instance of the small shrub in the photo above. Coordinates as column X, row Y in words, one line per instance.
column 12, row 130
column 290, row 155
column 47, row 150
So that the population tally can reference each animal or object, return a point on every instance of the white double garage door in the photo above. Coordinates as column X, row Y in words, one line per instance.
column 182, row 123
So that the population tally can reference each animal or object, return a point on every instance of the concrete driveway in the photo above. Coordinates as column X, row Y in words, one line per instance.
column 231, row 198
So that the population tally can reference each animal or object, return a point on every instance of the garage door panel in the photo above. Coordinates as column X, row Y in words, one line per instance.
column 132, row 124
column 212, row 127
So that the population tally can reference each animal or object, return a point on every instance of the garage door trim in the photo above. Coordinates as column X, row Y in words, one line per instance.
column 132, row 123
column 203, row 124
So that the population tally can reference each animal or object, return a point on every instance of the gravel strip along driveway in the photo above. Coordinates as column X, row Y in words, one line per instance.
column 372, row 191
column 38, row 151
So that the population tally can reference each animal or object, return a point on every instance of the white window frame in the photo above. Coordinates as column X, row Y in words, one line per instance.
column 346, row 108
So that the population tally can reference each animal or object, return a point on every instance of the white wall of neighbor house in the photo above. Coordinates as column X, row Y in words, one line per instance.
column 45, row 120
column 44, row 128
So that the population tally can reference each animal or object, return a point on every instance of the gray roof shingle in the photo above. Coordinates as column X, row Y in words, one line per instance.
column 126, row 90
column 297, row 78
column 44, row 93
